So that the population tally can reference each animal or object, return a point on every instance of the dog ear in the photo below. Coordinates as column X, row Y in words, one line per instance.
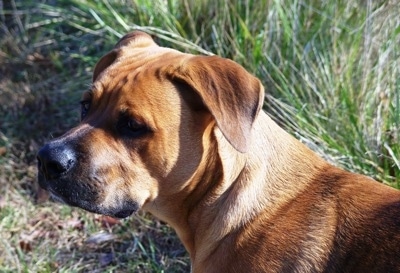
column 232, row 95
column 133, row 39
column 103, row 63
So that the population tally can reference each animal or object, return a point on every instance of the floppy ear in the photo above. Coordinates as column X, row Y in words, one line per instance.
column 232, row 95
column 133, row 39
column 103, row 63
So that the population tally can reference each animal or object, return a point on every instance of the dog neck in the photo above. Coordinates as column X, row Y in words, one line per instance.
column 249, row 184
column 230, row 189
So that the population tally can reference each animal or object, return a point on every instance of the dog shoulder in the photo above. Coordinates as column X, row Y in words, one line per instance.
column 342, row 222
column 368, row 223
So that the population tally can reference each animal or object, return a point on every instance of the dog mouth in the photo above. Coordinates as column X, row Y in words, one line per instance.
column 88, row 200
column 121, row 210
column 70, row 187
column 124, row 213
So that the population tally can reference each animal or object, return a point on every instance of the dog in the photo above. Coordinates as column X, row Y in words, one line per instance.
column 184, row 137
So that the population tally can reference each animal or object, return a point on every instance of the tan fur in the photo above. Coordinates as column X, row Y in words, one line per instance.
column 242, row 194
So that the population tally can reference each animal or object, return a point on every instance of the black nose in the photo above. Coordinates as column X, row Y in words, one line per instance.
column 55, row 160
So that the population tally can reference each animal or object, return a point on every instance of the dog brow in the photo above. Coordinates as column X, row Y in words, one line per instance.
column 94, row 91
column 87, row 95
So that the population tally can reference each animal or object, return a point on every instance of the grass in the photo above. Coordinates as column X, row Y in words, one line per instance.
column 330, row 68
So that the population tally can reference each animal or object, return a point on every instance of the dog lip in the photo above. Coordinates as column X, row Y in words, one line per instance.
column 43, row 183
column 124, row 213
column 124, row 210
column 57, row 198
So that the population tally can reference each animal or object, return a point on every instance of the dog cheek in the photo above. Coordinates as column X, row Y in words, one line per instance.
column 122, row 180
column 141, row 186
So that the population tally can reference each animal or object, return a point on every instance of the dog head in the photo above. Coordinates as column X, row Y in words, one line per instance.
column 145, row 123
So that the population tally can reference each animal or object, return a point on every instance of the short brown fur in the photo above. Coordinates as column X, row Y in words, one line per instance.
column 184, row 138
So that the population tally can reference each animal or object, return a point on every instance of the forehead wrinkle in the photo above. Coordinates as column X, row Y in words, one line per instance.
column 134, row 81
column 136, row 103
column 103, row 102
column 96, row 90
column 134, row 61
column 145, row 59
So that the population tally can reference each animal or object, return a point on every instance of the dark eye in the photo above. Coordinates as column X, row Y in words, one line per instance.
column 85, row 106
column 131, row 128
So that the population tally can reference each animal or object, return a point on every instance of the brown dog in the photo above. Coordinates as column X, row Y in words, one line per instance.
column 184, row 137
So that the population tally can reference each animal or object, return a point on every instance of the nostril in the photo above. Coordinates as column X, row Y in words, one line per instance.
column 55, row 168
column 41, row 165
column 55, row 161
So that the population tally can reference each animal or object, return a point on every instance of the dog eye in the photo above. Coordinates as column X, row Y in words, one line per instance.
column 85, row 105
column 131, row 128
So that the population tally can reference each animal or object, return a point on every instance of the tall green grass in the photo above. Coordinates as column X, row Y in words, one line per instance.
column 330, row 69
